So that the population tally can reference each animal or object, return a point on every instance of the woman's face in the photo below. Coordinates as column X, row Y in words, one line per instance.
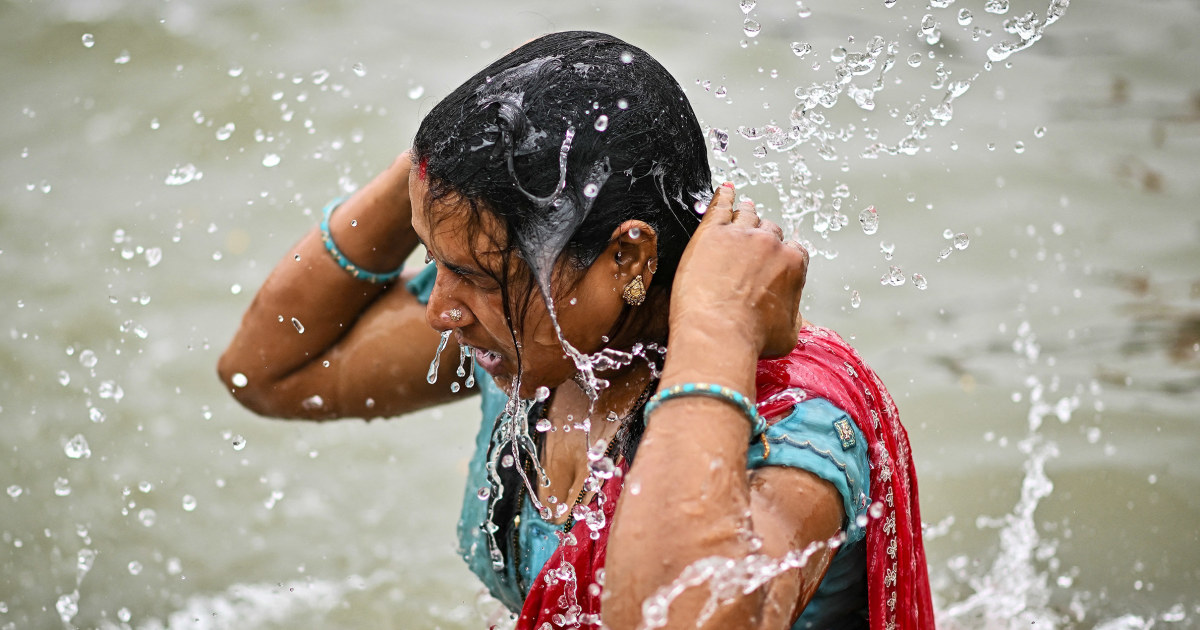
column 588, row 302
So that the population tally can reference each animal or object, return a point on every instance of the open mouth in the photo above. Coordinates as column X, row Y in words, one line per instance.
column 488, row 360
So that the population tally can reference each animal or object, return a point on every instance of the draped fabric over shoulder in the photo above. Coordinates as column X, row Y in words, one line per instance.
column 566, row 594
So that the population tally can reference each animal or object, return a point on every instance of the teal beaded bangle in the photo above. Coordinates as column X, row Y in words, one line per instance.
column 757, row 423
column 340, row 258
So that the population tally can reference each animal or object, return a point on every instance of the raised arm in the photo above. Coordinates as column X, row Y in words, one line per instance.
column 317, row 343
column 735, row 298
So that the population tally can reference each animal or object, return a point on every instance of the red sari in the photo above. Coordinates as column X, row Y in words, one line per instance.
column 566, row 593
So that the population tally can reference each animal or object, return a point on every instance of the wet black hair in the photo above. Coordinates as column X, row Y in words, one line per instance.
column 563, row 140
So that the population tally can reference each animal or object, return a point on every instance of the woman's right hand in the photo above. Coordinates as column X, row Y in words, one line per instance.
column 739, row 279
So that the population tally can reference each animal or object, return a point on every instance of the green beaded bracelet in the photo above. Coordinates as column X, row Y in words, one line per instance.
column 340, row 258
column 757, row 423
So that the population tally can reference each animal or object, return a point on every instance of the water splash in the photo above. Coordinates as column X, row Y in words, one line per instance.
column 432, row 374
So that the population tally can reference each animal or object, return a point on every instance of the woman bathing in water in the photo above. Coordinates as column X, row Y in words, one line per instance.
column 564, row 199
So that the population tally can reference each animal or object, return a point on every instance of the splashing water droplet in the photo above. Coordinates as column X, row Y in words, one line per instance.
column 122, row 58
column 225, row 131
column 96, row 415
column 89, row 40
column 148, row 517
column 622, row 104
column 965, row 17
column 801, row 49
column 869, row 219
column 77, row 448
column 591, row 190
column 626, row 57
column 62, row 487
column 235, row 71
column 359, row 69
column 961, row 241
column 543, row 425
column 238, row 442
column 914, row 60
column 134, row 567
column 894, row 277
column 751, row 28
column 416, row 92
column 601, row 123
column 855, row 299
column 88, row 359
column 1019, row 147
column 748, row 6
column 188, row 503
column 1039, row 132
column 184, row 174
column 431, row 376
column 67, row 606
column 270, row 160
column 64, row 379
column 999, row 7
column 919, row 281
column 14, row 491
column 153, row 256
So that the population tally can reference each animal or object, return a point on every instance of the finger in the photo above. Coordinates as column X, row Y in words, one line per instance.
column 772, row 227
column 720, row 209
column 746, row 215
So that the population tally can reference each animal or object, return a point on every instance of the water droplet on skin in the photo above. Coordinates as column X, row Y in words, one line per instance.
column 313, row 402
column 239, row 380
column 77, row 448
column 89, row 40
column 416, row 91
column 751, row 28
column 238, row 442
column 188, row 503
column 270, row 160
column 298, row 325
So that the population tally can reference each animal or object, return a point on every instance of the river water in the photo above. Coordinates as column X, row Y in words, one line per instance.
column 159, row 157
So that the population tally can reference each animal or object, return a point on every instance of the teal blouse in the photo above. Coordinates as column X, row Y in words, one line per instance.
column 807, row 438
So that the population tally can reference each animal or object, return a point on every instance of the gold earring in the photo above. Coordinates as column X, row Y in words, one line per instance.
column 635, row 292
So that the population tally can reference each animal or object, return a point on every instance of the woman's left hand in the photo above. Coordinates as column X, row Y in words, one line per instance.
column 738, row 275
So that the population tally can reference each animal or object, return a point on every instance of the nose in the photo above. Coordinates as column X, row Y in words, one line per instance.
column 443, row 312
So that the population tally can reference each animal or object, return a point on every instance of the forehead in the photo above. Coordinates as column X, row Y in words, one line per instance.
column 451, row 224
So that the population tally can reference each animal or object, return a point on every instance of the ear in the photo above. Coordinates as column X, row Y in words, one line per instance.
column 632, row 251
